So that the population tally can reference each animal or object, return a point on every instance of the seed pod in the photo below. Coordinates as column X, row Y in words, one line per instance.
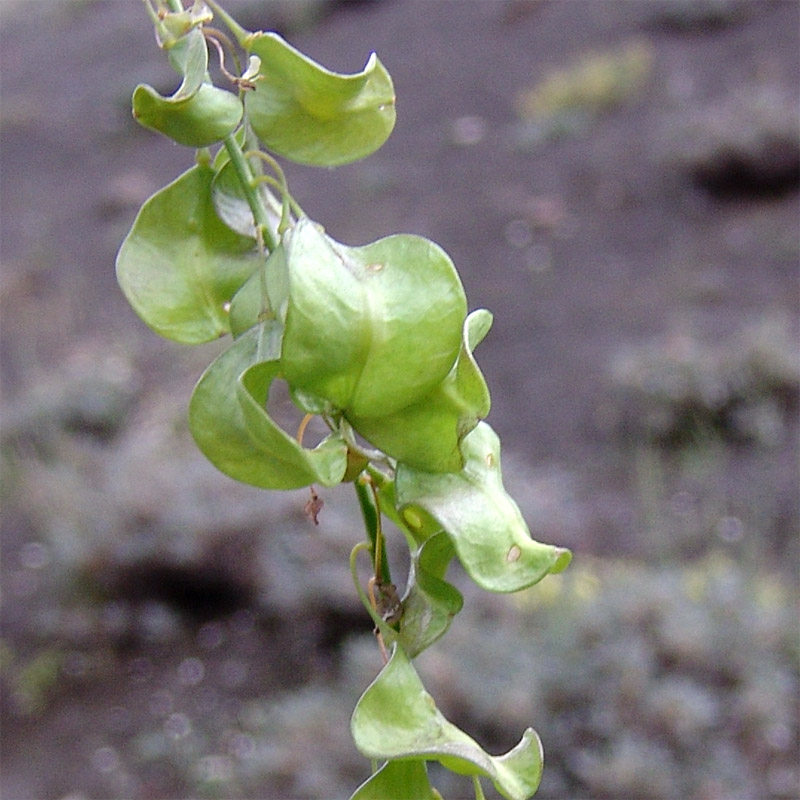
column 202, row 119
column 311, row 115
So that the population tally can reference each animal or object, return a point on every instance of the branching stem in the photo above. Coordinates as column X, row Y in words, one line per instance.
column 384, row 632
column 279, row 183
column 152, row 13
column 246, row 180
column 239, row 33
column 234, row 79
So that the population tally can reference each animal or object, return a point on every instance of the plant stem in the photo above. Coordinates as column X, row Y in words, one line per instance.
column 239, row 33
column 365, row 492
column 151, row 12
column 381, row 625
column 245, row 175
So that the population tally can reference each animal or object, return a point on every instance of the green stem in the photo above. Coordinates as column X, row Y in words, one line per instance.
column 286, row 212
column 245, row 175
column 384, row 485
column 367, row 499
column 288, row 203
column 388, row 633
column 175, row 5
column 239, row 33
column 151, row 12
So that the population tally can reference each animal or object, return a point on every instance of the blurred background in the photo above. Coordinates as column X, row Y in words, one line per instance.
column 618, row 183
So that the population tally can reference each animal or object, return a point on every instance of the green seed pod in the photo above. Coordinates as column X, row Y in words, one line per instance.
column 202, row 119
column 311, row 115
